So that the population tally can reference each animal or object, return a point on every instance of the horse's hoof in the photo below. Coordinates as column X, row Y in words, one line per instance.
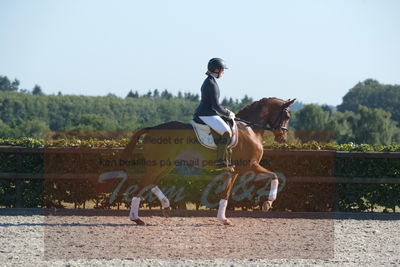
column 166, row 212
column 139, row 222
column 267, row 205
column 226, row 222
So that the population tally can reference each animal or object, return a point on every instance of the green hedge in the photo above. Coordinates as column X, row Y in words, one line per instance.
column 183, row 189
column 110, row 143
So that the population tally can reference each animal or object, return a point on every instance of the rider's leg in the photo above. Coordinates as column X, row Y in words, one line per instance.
column 216, row 123
column 221, row 133
column 221, row 141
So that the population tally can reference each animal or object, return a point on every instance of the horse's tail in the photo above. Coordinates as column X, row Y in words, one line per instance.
column 123, row 155
column 132, row 144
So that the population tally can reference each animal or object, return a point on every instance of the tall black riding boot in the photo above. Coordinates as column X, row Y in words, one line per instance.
column 222, row 142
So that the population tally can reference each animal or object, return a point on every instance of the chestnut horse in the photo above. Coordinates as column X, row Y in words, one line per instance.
column 165, row 144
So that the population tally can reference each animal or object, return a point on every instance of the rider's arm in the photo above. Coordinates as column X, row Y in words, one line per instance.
column 215, row 103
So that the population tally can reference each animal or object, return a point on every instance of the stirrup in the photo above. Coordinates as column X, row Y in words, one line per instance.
column 227, row 168
column 224, row 167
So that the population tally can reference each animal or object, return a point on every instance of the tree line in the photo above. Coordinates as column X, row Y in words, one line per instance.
column 31, row 113
column 368, row 113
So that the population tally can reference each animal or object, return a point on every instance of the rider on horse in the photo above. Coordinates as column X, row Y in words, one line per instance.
column 209, row 111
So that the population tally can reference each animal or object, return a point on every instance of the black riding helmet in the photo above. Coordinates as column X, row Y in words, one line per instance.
column 216, row 63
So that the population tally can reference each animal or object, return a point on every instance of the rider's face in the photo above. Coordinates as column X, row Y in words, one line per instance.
column 221, row 72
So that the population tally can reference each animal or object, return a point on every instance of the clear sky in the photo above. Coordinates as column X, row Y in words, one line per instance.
column 312, row 50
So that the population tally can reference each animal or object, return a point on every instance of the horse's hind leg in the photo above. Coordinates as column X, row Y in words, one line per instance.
column 163, row 200
column 165, row 205
column 146, row 182
column 270, row 177
column 134, row 212
column 135, row 203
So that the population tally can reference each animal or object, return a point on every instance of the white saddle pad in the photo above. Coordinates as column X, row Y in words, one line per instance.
column 205, row 137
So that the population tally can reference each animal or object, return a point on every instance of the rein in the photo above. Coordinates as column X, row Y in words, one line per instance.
column 280, row 119
column 249, row 123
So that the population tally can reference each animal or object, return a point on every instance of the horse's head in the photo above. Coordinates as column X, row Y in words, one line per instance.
column 269, row 113
column 277, row 116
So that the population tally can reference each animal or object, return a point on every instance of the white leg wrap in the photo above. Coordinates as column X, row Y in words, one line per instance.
column 274, row 189
column 160, row 195
column 223, row 203
column 134, row 213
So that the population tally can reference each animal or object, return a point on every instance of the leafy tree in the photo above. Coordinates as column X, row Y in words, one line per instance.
column 37, row 90
column 296, row 105
column 94, row 122
column 8, row 86
column 166, row 95
column 312, row 124
column 148, row 95
column 33, row 128
column 370, row 126
column 130, row 94
column 156, row 94
column 191, row 97
column 112, row 95
column 342, row 124
column 133, row 94
column 374, row 126
column 373, row 94
column 5, row 130
column 246, row 100
column 327, row 108
column 311, row 117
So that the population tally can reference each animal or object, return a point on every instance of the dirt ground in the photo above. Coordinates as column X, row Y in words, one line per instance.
column 197, row 238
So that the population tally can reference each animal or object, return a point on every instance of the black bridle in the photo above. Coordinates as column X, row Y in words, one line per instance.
column 280, row 120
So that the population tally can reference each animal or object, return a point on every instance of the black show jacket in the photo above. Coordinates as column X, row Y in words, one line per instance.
column 209, row 104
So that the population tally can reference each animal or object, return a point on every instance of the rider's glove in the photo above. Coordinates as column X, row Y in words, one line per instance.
column 231, row 115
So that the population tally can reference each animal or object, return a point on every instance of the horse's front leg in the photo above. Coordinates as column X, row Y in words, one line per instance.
column 263, row 173
column 223, row 203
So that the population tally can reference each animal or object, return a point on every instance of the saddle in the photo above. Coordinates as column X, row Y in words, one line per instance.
column 204, row 136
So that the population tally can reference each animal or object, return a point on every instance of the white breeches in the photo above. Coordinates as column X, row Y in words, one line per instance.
column 218, row 124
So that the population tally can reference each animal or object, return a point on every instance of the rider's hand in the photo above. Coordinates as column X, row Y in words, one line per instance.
column 231, row 115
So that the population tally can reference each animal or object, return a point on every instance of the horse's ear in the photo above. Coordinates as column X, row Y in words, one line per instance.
column 289, row 102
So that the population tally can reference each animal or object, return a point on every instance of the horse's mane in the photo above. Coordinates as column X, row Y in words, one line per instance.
column 254, row 108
